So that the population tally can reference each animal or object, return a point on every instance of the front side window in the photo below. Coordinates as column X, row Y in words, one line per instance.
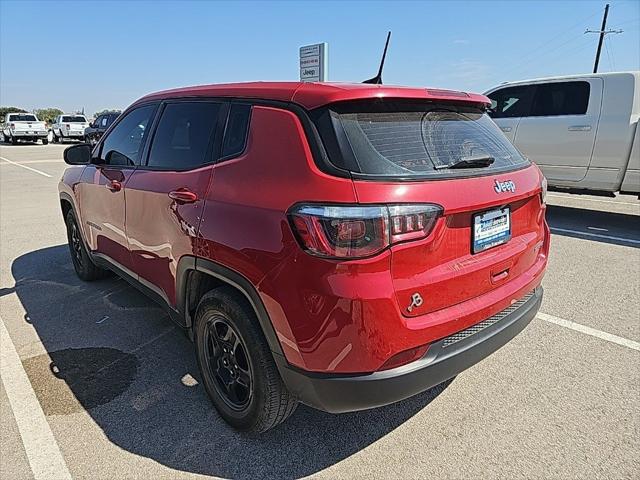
column 422, row 141
column 123, row 146
column 511, row 102
column 184, row 135
column 561, row 98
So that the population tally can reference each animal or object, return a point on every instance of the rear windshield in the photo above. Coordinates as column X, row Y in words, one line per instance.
column 22, row 118
column 73, row 119
column 413, row 140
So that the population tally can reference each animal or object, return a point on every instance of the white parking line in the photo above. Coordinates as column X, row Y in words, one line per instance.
column 625, row 342
column 31, row 162
column 593, row 200
column 24, row 166
column 42, row 450
column 597, row 235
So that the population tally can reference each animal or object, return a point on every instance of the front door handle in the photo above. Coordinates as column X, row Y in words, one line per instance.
column 506, row 129
column 114, row 186
column 580, row 128
column 183, row 195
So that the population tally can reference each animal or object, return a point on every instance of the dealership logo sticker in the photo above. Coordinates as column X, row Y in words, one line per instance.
column 506, row 186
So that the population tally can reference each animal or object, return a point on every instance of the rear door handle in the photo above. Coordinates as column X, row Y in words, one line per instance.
column 506, row 129
column 183, row 195
column 114, row 186
column 580, row 128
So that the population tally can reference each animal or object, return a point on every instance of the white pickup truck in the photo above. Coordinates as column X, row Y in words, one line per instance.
column 69, row 127
column 25, row 127
column 581, row 130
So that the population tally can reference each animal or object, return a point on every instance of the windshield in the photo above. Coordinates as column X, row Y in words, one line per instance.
column 22, row 118
column 72, row 119
column 413, row 140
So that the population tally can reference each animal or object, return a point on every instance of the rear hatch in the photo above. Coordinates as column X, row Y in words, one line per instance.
column 491, row 223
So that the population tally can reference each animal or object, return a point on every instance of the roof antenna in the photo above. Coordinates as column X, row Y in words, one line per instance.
column 377, row 80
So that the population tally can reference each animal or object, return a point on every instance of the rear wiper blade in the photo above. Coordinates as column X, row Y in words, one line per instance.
column 470, row 162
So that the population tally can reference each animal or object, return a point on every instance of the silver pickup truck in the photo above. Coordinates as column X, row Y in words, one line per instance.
column 23, row 127
column 69, row 127
column 581, row 130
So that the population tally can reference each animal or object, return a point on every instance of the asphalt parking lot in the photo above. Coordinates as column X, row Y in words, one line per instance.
column 97, row 383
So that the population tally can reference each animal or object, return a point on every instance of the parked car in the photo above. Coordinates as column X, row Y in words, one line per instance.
column 97, row 128
column 69, row 127
column 581, row 130
column 23, row 127
column 346, row 246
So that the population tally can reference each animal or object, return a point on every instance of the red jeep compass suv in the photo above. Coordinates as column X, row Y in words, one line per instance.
column 342, row 245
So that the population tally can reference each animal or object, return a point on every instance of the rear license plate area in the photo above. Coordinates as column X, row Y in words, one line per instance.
column 490, row 229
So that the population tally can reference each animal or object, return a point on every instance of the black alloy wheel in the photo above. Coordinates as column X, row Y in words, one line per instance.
column 227, row 363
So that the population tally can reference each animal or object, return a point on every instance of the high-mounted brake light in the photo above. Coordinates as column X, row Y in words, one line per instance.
column 543, row 193
column 356, row 231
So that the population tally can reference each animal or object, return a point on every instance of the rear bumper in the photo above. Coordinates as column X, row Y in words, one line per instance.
column 445, row 359
column 29, row 134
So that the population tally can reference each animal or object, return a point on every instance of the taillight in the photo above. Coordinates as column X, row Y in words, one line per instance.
column 356, row 231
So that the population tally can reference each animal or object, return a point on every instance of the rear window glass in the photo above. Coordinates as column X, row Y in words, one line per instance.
column 73, row 119
column 23, row 118
column 432, row 142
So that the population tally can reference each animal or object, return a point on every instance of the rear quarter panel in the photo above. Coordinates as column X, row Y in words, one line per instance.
column 244, row 225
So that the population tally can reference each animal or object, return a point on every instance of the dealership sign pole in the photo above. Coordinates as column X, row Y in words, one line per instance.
column 314, row 60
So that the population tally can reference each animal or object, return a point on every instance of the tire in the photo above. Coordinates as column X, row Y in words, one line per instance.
column 228, row 339
column 60, row 138
column 14, row 141
column 5, row 139
column 82, row 263
column 45, row 141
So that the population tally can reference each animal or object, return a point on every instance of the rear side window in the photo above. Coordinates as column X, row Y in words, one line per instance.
column 511, row 102
column 561, row 98
column 235, row 134
column 427, row 141
column 123, row 146
column 184, row 136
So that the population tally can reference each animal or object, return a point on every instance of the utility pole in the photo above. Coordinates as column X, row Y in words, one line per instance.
column 602, row 33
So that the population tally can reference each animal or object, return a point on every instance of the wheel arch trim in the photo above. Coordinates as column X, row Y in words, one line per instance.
column 232, row 278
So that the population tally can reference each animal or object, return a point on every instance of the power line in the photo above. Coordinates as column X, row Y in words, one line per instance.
column 606, row 47
column 536, row 52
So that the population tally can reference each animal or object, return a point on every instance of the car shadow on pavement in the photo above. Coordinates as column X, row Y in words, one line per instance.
column 595, row 225
column 115, row 354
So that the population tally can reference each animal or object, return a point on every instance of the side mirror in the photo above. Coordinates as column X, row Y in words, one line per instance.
column 78, row 154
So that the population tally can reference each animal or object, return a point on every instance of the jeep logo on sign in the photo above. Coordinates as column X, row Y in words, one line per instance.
column 506, row 186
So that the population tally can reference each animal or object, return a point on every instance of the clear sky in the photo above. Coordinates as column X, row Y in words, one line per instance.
column 106, row 54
